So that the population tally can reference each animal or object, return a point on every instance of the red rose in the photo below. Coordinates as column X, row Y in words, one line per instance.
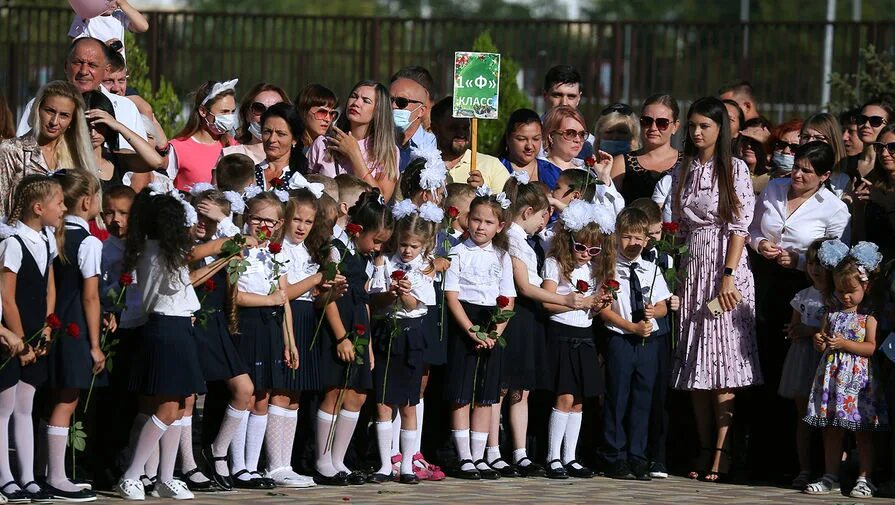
column 360, row 329
column 276, row 182
column 54, row 322
column 612, row 285
column 502, row 301
column 582, row 286
column 453, row 212
column 275, row 248
column 265, row 233
column 670, row 227
column 354, row 229
column 591, row 161
column 126, row 279
column 73, row 331
column 397, row 275
column 209, row 286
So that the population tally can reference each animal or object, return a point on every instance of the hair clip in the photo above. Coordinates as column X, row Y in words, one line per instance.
column 380, row 199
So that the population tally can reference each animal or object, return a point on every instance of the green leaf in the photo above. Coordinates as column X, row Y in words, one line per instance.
column 683, row 249
column 362, row 341
column 330, row 271
column 358, row 360
column 481, row 335
column 502, row 342
column 79, row 444
column 475, row 328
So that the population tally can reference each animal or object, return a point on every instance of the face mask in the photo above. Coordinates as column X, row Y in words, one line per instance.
column 255, row 129
column 223, row 123
column 615, row 147
column 402, row 119
column 783, row 161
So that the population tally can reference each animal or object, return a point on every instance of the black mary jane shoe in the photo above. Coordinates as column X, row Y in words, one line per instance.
column 225, row 482
column 252, row 483
column 200, row 487
column 579, row 473
column 357, row 478
column 408, row 478
column 17, row 496
column 556, row 473
column 488, row 473
column 81, row 495
column 379, row 478
column 460, row 473
column 531, row 469
column 339, row 479
column 266, row 483
column 508, row 470
column 40, row 496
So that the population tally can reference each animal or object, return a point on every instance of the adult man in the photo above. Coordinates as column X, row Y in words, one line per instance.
column 562, row 86
column 453, row 137
column 411, row 94
column 741, row 93
column 86, row 67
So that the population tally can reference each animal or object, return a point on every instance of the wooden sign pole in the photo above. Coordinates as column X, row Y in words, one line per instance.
column 475, row 144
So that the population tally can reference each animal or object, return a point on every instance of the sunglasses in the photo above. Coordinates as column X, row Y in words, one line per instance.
column 571, row 135
column 323, row 114
column 583, row 248
column 890, row 147
column 116, row 46
column 661, row 122
column 804, row 139
column 875, row 121
column 258, row 108
column 402, row 103
column 621, row 108
column 782, row 146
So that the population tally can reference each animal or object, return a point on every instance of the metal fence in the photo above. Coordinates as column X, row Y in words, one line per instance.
column 624, row 61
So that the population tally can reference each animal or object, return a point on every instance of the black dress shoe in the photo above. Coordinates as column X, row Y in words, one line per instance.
column 252, row 483
column 640, row 470
column 379, row 478
column 408, row 478
column 40, row 496
column 559, row 472
column 17, row 496
column 267, row 482
column 620, row 470
column 487, row 473
column 507, row 470
column 357, row 478
column 460, row 473
column 530, row 470
column 201, row 487
column 81, row 495
column 223, row 481
column 582, row 472
column 339, row 479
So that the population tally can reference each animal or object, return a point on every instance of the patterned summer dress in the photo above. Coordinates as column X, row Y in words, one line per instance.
column 846, row 393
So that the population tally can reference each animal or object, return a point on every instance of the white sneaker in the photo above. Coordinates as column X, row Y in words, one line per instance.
column 174, row 489
column 130, row 490
column 658, row 475
column 286, row 477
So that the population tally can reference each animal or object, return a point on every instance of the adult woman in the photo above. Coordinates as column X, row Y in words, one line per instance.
column 874, row 115
column 784, row 142
column 636, row 174
column 253, row 105
column 565, row 137
column 363, row 141
column 518, row 148
column 790, row 214
column 874, row 203
column 209, row 129
column 281, row 128
column 713, row 203
column 616, row 130
column 752, row 153
column 62, row 140
column 824, row 127
column 317, row 106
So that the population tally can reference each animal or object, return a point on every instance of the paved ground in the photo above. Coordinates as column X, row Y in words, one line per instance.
column 676, row 490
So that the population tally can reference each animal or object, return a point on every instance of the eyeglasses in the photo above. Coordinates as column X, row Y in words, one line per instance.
column 584, row 248
column 782, row 146
column 890, row 147
column 621, row 108
column 804, row 139
column 661, row 122
column 323, row 114
column 875, row 121
column 402, row 103
column 261, row 221
column 571, row 135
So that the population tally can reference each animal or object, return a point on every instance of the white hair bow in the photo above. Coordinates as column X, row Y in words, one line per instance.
column 218, row 88
column 200, row 187
column 237, row 204
column 521, row 177
column 433, row 176
column 298, row 181
column 431, row 212
column 403, row 209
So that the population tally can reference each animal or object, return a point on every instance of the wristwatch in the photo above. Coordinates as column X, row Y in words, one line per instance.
column 728, row 272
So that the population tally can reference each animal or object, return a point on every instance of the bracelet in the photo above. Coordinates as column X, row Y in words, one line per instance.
column 339, row 340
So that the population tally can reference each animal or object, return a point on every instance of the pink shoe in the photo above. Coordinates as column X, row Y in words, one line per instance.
column 428, row 471
column 396, row 466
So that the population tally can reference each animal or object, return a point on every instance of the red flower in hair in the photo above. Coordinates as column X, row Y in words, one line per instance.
column 54, row 322
column 397, row 275
column 582, row 286
column 502, row 301
column 453, row 212
column 126, row 279
column 275, row 248
column 209, row 286
column 73, row 331
column 354, row 229
column 360, row 329
column 670, row 227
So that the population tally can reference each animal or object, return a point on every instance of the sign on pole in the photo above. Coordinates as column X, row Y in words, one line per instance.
column 476, row 79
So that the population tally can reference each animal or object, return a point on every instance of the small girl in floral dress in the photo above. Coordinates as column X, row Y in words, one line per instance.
column 846, row 394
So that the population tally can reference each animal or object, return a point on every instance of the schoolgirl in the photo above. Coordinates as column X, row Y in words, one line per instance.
column 29, row 296
column 478, row 282
column 346, row 366
column 404, row 290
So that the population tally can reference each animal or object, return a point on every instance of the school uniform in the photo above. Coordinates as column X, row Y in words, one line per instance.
column 218, row 356
column 573, row 367
column 436, row 316
column 658, row 420
column 353, row 311
column 478, row 275
column 169, row 364
column 304, row 319
column 631, row 363
column 29, row 253
column 399, row 345
column 260, row 337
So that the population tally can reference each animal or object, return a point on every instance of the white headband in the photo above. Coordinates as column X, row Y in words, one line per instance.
column 218, row 88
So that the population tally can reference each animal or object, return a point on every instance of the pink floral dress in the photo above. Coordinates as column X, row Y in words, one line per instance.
column 846, row 393
column 713, row 353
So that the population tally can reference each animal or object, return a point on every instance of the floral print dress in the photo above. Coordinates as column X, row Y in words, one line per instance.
column 846, row 393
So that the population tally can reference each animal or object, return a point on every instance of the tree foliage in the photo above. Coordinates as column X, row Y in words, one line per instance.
column 165, row 103
column 874, row 79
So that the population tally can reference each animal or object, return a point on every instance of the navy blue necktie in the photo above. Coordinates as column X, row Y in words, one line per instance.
column 637, row 307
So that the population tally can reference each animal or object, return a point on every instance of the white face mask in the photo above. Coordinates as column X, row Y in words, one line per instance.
column 255, row 129
column 223, row 124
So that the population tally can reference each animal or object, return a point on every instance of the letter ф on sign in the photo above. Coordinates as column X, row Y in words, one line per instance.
column 476, row 78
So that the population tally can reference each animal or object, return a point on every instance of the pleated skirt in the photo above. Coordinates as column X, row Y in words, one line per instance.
column 398, row 374
column 260, row 343
column 304, row 321
column 218, row 355
column 525, row 347
column 168, row 363
column 435, row 333
column 472, row 375
column 573, row 367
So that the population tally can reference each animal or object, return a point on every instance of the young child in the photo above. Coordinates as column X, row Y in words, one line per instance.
column 403, row 289
column 459, row 196
column 330, row 186
column 524, row 353
column 800, row 365
column 581, row 258
column 846, row 393
column 158, row 247
column 234, row 172
column 109, row 27
column 350, row 190
column 369, row 226
column 258, row 328
column 632, row 358
column 12, row 345
column 76, row 359
column 481, row 271
column 29, row 295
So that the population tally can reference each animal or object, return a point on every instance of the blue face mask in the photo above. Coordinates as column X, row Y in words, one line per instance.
column 402, row 119
column 615, row 147
column 783, row 162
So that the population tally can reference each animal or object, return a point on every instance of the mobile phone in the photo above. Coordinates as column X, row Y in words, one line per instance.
column 714, row 306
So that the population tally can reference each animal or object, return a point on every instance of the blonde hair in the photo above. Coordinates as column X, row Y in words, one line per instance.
column 76, row 184
column 554, row 119
column 381, row 132
column 30, row 189
column 613, row 118
column 74, row 149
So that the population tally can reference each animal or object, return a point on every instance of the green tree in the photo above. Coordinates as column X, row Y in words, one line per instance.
column 164, row 100
column 874, row 79
column 511, row 97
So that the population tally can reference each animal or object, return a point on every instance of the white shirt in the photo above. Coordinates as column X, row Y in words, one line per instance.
column 340, row 234
column 564, row 286
column 111, row 266
column 104, row 28
column 809, row 303
column 262, row 273
column 479, row 273
column 520, row 249
column 662, row 197
column 422, row 286
column 126, row 113
column 652, row 285
column 164, row 292
column 301, row 266
column 610, row 198
column 90, row 252
column 822, row 215
column 35, row 241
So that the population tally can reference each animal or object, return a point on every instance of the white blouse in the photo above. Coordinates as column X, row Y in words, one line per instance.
column 564, row 286
column 262, row 273
column 301, row 266
column 822, row 215
column 35, row 241
column 422, row 286
column 90, row 252
column 520, row 249
column 652, row 285
column 164, row 292
column 479, row 273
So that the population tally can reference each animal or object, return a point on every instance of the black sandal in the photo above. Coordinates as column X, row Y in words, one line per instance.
column 507, row 470
column 488, row 473
column 225, row 482
column 716, row 476
column 698, row 474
